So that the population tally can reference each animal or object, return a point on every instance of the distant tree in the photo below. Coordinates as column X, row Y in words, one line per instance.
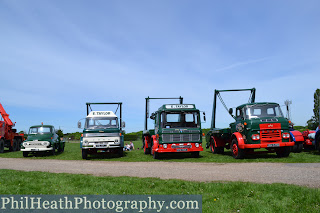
column 314, row 121
column 60, row 133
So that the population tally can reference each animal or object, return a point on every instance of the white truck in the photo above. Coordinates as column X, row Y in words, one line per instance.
column 102, row 132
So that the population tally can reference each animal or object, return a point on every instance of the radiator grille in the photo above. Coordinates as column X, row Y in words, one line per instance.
column 270, row 135
column 180, row 137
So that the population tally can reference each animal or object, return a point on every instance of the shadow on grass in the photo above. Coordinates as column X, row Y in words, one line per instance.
column 105, row 155
column 175, row 156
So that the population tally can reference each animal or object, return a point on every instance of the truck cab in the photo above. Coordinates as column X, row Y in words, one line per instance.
column 262, row 125
column 101, row 133
column 42, row 138
column 177, row 128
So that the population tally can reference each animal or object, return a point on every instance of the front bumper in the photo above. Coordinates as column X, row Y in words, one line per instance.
column 186, row 147
column 36, row 149
column 265, row 145
column 101, row 143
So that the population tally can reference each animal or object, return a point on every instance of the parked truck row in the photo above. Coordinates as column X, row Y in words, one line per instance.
column 176, row 129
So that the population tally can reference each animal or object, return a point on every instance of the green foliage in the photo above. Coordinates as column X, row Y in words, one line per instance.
column 300, row 128
column 314, row 121
column 60, row 133
column 73, row 136
column 133, row 136
column 216, row 196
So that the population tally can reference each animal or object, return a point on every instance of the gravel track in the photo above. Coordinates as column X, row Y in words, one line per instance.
column 304, row 174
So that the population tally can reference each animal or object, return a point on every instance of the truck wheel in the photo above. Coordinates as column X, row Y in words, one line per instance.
column 19, row 144
column 318, row 143
column 300, row 147
column 120, row 152
column 53, row 151
column 216, row 150
column 84, row 154
column 25, row 154
column 283, row 151
column 1, row 146
column 237, row 153
column 156, row 155
column 61, row 149
column 14, row 145
column 146, row 150
column 195, row 154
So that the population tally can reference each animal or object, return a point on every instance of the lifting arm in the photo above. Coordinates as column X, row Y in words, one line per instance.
column 147, row 109
column 5, row 116
column 217, row 93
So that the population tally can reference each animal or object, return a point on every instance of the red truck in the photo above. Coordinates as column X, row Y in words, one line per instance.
column 8, row 136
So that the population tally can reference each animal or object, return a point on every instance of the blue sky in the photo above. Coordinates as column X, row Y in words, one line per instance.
column 57, row 55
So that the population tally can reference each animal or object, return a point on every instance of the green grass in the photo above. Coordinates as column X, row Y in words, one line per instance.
column 216, row 196
column 73, row 152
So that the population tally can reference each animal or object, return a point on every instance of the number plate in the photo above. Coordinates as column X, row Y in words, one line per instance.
column 274, row 145
column 182, row 150
column 34, row 149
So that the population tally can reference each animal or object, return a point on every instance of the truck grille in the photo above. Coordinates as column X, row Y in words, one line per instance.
column 180, row 131
column 270, row 135
column 180, row 137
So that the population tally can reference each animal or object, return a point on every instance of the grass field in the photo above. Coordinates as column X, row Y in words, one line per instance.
column 216, row 197
column 73, row 152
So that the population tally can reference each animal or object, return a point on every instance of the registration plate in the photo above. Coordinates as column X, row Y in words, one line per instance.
column 273, row 145
column 34, row 149
column 182, row 150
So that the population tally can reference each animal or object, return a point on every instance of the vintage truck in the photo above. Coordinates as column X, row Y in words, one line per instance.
column 102, row 132
column 42, row 138
column 177, row 129
column 257, row 125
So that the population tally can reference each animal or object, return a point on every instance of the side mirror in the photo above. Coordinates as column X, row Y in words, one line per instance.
column 230, row 111
column 153, row 116
column 123, row 124
column 204, row 116
column 79, row 124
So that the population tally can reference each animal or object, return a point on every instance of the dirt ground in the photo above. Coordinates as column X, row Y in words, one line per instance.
column 304, row 174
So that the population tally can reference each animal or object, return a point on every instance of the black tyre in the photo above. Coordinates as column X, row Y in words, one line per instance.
column 300, row 148
column 1, row 146
column 61, row 147
column 19, row 144
column 146, row 150
column 14, row 145
column 53, row 151
column 318, row 143
column 84, row 154
column 156, row 155
column 283, row 152
column 120, row 152
column 25, row 154
column 195, row 154
column 237, row 153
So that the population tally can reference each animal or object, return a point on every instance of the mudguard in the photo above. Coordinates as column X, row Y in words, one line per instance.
column 239, row 138
column 155, row 144
column 296, row 136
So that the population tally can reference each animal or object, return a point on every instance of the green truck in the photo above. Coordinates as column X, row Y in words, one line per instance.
column 257, row 125
column 102, row 132
column 177, row 129
column 42, row 138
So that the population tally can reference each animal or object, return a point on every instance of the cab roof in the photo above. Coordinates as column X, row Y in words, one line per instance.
column 101, row 114
column 178, row 107
column 41, row 126
column 256, row 103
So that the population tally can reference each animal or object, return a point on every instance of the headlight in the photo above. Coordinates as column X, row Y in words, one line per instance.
column 25, row 144
column 116, row 140
column 255, row 137
column 165, row 146
column 285, row 135
column 45, row 143
column 197, row 145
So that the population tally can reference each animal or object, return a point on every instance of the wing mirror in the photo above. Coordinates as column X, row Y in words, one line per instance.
column 123, row 124
column 79, row 124
column 230, row 111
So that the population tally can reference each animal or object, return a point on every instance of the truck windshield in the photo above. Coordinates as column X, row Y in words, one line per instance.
column 40, row 130
column 101, row 123
column 262, row 110
column 180, row 119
